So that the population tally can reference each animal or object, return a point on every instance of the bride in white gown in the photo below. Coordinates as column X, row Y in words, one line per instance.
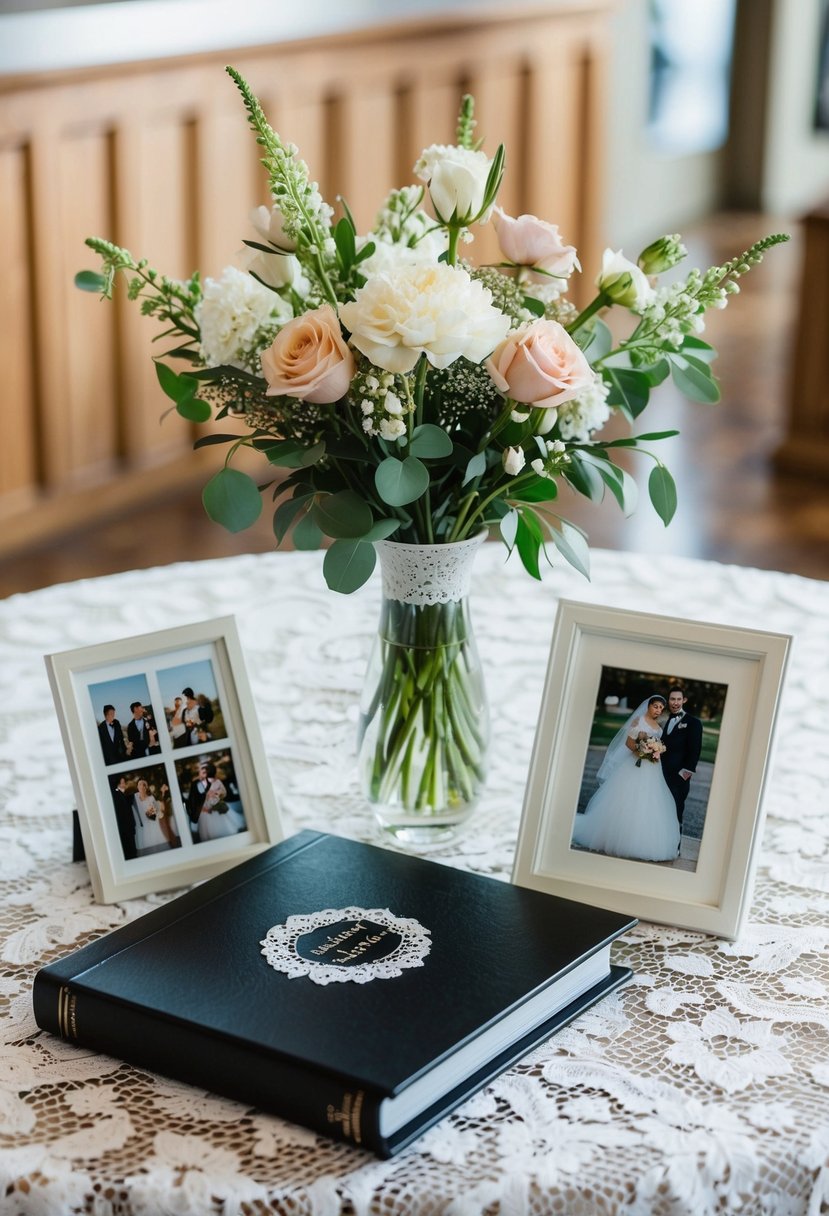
column 632, row 813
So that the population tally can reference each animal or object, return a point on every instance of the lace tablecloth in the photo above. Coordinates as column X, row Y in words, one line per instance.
column 703, row 1087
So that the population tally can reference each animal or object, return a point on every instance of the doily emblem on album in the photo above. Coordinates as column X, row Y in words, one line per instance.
column 346, row 945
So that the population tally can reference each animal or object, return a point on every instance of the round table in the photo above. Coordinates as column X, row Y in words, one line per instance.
column 702, row 1087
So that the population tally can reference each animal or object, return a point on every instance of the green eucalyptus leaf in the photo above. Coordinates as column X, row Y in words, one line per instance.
column 528, row 540
column 599, row 340
column 344, row 240
column 232, row 499
column 90, row 280
column 348, row 564
column 694, row 346
column 430, row 442
column 400, row 482
column 207, row 441
column 535, row 307
column 541, row 489
column 662, row 490
column 286, row 513
column 475, row 468
column 342, row 515
column 291, row 454
column 508, row 526
column 381, row 529
column 573, row 547
column 657, row 373
column 628, row 389
column 584, row 477
column 621, row 485
column 633, row 441
column 694, row 379
column 179, row 388
column 306, row 533
column 194, row 410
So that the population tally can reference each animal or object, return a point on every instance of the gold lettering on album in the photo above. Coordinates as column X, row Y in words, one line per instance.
column 67, row 1024
column 356, row 949
column 348, row 1115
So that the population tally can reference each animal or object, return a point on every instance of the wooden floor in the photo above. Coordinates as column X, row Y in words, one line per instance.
column 733, row 506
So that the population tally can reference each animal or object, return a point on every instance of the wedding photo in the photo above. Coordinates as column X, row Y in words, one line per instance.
column 191, row 704
column 649, row 765
column 143, row 811
column 210, row 794
column 126, row 722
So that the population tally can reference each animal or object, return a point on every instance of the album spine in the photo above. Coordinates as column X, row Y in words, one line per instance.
column 322, row 1101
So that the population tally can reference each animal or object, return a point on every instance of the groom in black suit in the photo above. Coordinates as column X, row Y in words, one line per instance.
column 112, row 737
column 682, row 736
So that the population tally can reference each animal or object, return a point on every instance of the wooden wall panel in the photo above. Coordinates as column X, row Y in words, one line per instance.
column 159, row 158
column 18, row 454
column 91, row 446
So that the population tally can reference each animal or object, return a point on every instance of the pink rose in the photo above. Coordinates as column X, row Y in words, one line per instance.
column 309, row 359
column 540, row 364
column 529, row 241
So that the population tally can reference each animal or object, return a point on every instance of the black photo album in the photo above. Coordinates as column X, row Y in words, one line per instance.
column 358, row 991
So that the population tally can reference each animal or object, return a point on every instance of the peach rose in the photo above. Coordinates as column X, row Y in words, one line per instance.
column 540, row 364
column 309, row 359
column 529, row 241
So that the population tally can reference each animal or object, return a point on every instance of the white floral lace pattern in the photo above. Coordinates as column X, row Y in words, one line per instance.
column 352, row 935
column 702, row 1088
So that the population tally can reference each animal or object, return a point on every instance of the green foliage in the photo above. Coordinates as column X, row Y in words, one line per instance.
column 430, row 442
column 232, row 499
column 662, row 490
column 348, row 564
column 400, row 482
column 342, row 515
column 90, row 280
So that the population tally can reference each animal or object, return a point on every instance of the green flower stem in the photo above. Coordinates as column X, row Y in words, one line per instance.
column 500, row 491
column 601, row 301
column 452, row 249
column 428, row 737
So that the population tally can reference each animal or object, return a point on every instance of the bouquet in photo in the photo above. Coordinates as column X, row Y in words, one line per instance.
column 648, row 748
column 394, row 389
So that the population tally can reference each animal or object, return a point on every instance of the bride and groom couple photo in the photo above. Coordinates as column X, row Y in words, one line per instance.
column 650, row 760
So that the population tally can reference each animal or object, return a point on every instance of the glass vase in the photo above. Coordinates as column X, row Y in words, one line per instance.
column 424, row 723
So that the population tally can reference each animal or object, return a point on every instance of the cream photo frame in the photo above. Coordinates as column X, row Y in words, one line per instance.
column 713, row 893
column 166, row 757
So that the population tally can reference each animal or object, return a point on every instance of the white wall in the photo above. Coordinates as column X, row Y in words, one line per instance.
column 648, row 192
column 796, row 160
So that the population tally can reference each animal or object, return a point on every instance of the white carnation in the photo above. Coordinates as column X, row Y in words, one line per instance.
column 388, row 255
column 437, row 310
column 233, row 312
column 579, row 418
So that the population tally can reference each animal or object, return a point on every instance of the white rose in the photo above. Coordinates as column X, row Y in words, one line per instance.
column 438, row 311
column 269, row 222
column 457, row 179
column 623, row 282
column 277, row 270
column 514, row 461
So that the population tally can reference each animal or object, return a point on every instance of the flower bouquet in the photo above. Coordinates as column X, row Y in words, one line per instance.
column 404, row 397
column 648, row 748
